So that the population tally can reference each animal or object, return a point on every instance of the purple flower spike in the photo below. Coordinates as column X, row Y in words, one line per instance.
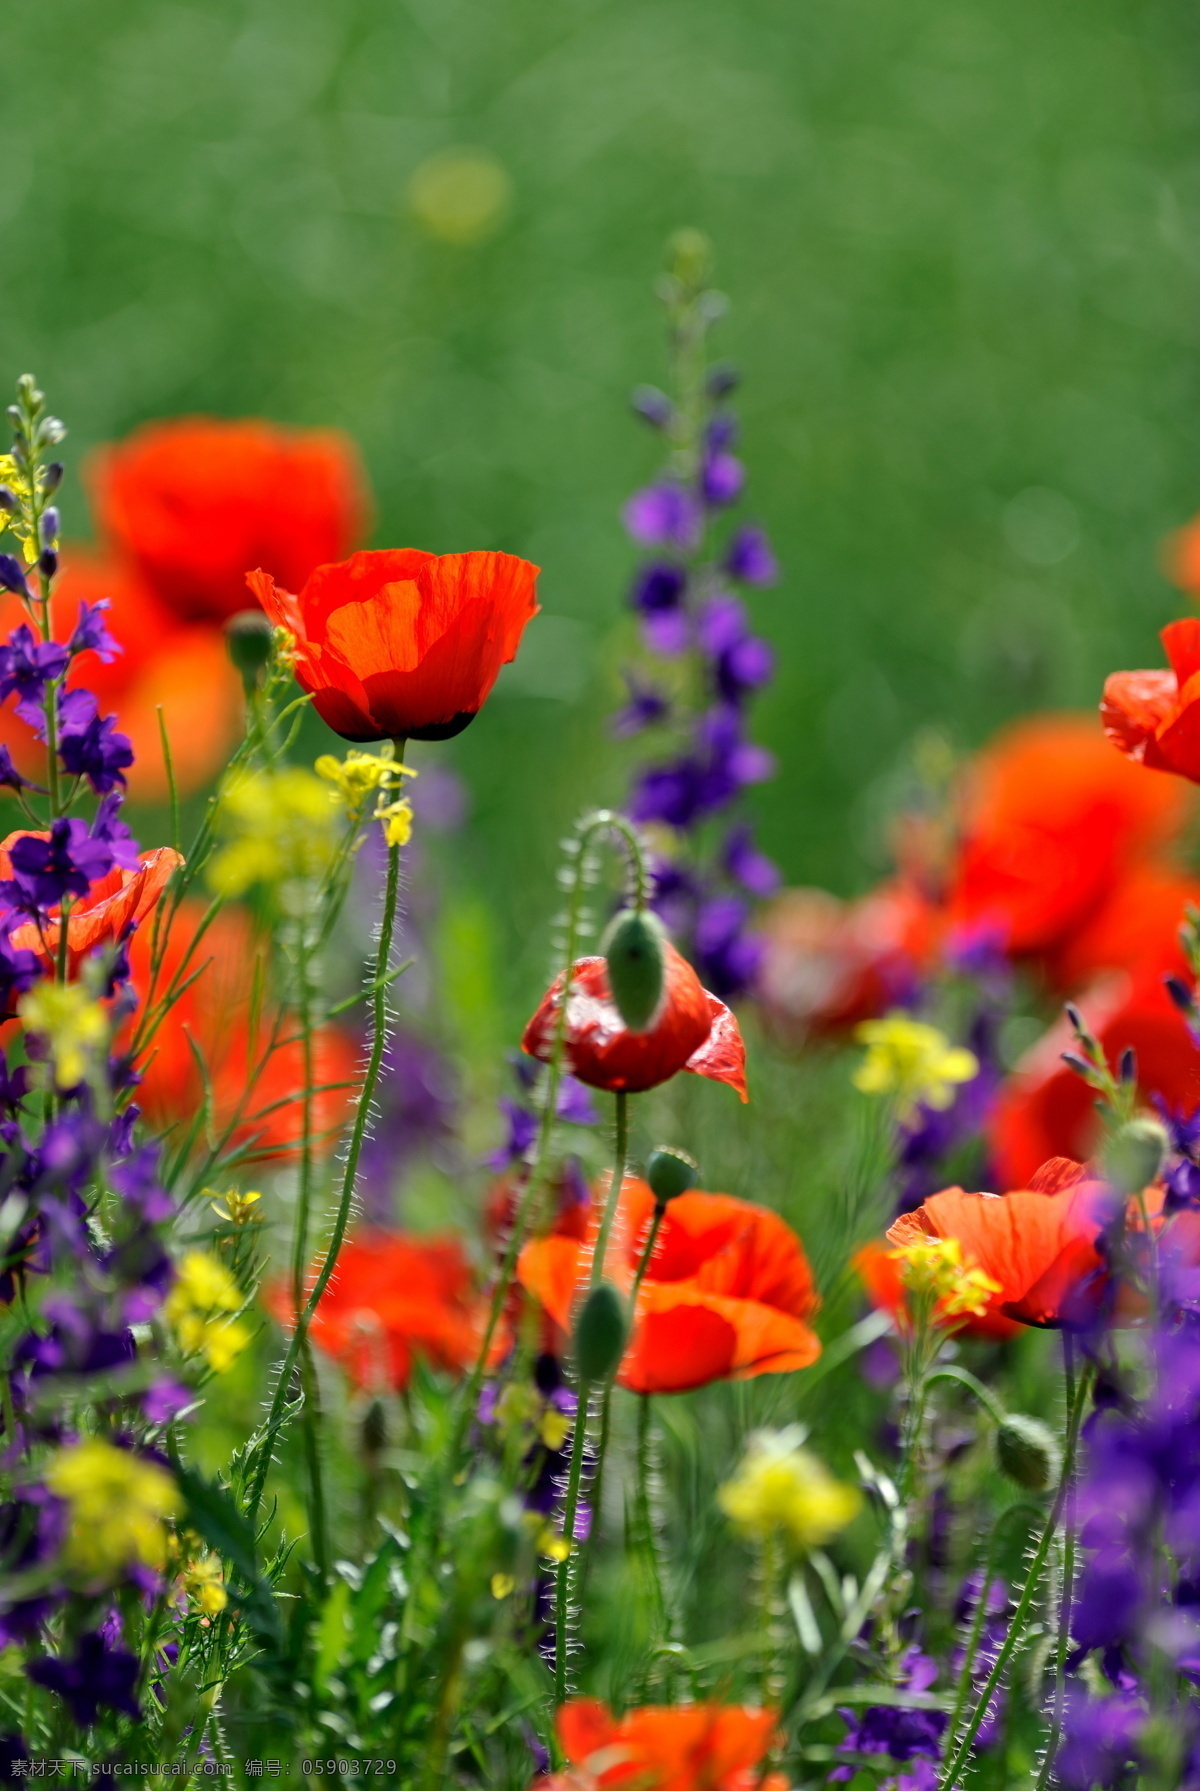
column 12, row 576
column 744, row 666
column 646, row 707
column 722, row 624
column 668, row 634
column 90, row 746
column 748, row 866
column 95, row 1676
column 90, row 633
column 658, row 588
column 727, row 957
column 664, row 515
column 749, row 557
column 721, row 479
column 27, row 666
column 46, row 870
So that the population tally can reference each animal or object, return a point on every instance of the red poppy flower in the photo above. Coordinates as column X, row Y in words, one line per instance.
column 1045, row 1110
column 700, row 1747
column 1038, row 1243
column 727, row 1295
column 1136, row 928
column 1050, row 821
column 694, row 1031
column 1154, row 717
column 114, row 903
column 256, row 1090
column 880, row 1275
column 193, row 503
column 828, row 964
column 393, row 1297
column 404, row 644
column 184, row 668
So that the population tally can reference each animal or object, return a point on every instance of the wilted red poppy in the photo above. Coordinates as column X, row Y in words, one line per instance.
column 727, row 1295
column 195, row 502
column 880, row 1275
column 699, row 1747
column 393, row 1297
column 1045, row 1110
column 1051, row 819
column 1154, row 717
column 181, row 667
column 694, row 1031
column 112, row 905
column 256, row 1091
column 404, row 644
column 828, row 964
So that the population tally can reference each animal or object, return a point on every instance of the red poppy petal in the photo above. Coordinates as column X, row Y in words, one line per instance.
column 722, row 1056
column 1134, row 706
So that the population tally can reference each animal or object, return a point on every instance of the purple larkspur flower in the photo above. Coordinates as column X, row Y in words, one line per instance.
column 27, row 665
column 1100, row 1739
column 722, row 477
column 646, row 707
column 745, row 666
column 108, row 826
column 667, row 633
column 89, row 744
column 749, row 557
column 904, row 1733
column 137, row 1180
column 90, row 634
column 94, row 1677
column 663, row 515
column 743, row 861
column 727, row 955
column 45, row 871
column 659, row 588
column 164, row 1399
column 10, row 777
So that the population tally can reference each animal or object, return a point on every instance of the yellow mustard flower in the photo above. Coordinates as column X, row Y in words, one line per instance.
column 358, row 774
column 204, row 1580
column 276, row 826
column 198, row 1308
column 935, row 1269
column 74, row 1026
column 914, row 1062
column 397, row 819
column 117, row 1503
column 235, row 1207
column 781, row 1488
column 16, row 478
column 502, row 1585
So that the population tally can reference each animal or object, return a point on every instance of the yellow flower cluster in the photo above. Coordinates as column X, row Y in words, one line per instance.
column 911, row 1061
column 780, row 1488
column 204, row 1581
column 277, row 826
column 117, row 1505
column 17, row 479
column 74, row 1026
column 198, row 1308
column 235, row 1207
column 935, row 1268
column 359, row 774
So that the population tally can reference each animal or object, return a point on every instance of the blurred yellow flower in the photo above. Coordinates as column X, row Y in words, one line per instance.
column 397, row 819
column 935, row 1269
column 355, row 776
column 460, row 195
column 235, row 1208
column 74, row 1026
column 117, row 1503
column 198, row 1307
column 912, row 1061
column 276, row 825
column 205, row 1583
column 780, row 1487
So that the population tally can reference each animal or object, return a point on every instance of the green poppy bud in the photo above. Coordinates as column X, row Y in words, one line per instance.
column 633, row 950
column 598, row 1342
column 248, row 638
column 1134, row 1154
column 670, row 1172
column 1027, row 1452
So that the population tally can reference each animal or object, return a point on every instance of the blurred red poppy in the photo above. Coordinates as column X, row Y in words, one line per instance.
column 1181, row 557
column 694, row 1031
column 699, row 1747
column 183, row 668
column 112, row 905
column 1051, row 819
column 391, row 1298
column 257, row 1090
column 1135, row 928
column 1154, row 717
column 1045, row 1110
column 194, row 503
column 403, row 644
column 880, row 1275
column 828, row 964
column 727, row 1295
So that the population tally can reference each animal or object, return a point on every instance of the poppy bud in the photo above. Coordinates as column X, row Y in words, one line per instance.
column 1027, row 1452
column 374, row 1428
column 1134, row 1155
column 633, row 951
column 598, row 1342
column 248, row 638
column 669, row 1173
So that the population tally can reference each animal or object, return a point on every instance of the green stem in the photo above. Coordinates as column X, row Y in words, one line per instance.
column 310, row 1415
column 350, row 1176
column 1065, row 1597
column 963, row 1686
column 965, row 1378
column 1016, row 1626
column 614, row 1191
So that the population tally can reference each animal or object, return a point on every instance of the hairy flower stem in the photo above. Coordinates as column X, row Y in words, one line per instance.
column 275, row 1418
column 567, row 1566
column 963, row 1687
column 310, row 1416
column 1065, row 1597
column 1016, row 1627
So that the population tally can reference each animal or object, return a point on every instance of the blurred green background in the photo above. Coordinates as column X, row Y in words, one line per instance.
column 963, row 244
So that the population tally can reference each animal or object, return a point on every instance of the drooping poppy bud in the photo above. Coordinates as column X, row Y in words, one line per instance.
column 248, row 638
column 633, row 953
column 1134, row 1154
column 1027, row 1452
column 598, row 1340
column 670, row 1173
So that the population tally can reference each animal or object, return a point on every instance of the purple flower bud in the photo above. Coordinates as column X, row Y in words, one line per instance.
column 722, row 622
column 658, row 588
column 47, row 562
column 748, row 866
column 8, row 498
column 668, row 633
column 663, row 515
column 52, row 476
column 1180, row 994
column 646, row 707
column 12, row 575
column 653, row 406
column 723, row 378
column 749, row 557
column 721, row 479
column 48, row 526
column 721, row 433
column 745, row 666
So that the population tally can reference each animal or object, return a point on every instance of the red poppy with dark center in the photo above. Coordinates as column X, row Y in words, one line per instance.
column 256, row 1089
column 1154, row 717
column 693, row 1031
column 1051, row 821
column 699, row 1747
column 727, row 1295
column 1046, row 1110
column 180, row 667
column 393, row 1297
column 103, row 917
column 193, row 503
column 404, row 644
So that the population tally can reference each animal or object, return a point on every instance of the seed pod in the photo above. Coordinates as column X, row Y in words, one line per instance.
column 598, row 1342
column 1134, row 1155
column 1027, row 1452
column 633, row 949
column 669, row 1173
column 248, row 638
